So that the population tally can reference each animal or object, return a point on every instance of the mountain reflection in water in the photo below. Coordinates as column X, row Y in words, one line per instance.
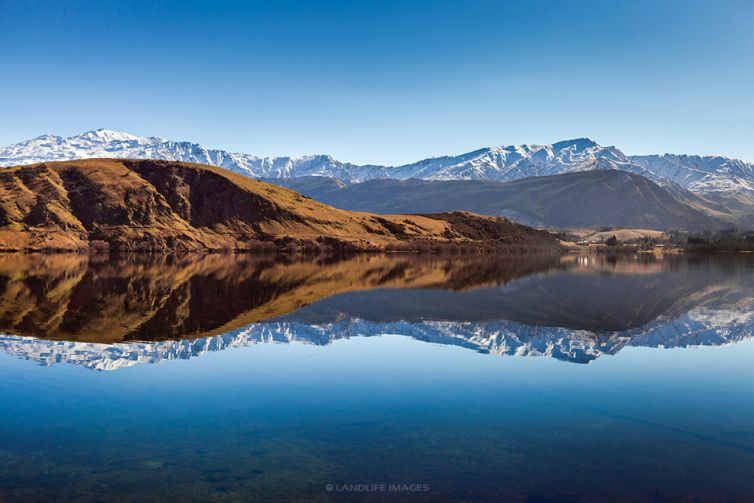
column 109, row 313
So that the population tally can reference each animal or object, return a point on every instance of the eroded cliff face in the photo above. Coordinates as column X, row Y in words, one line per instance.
column 167, row 205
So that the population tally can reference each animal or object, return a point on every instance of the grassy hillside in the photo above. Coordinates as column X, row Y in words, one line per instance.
column 167, row 205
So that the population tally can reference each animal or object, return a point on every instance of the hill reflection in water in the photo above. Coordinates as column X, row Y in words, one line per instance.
column 109, row 313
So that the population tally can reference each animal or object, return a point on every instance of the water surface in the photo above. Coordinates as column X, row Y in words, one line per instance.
column 376, row 378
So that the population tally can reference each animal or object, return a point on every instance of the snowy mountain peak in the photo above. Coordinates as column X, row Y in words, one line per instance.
column 107, row 135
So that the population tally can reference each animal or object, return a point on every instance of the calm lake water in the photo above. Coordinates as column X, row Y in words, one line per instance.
column 220, row 378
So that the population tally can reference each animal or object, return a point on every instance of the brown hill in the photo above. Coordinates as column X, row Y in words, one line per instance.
column 167, row 205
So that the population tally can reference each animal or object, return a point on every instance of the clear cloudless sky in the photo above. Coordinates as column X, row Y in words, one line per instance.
column 384, row 81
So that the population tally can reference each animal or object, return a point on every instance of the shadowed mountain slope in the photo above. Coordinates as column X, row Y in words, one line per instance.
column 584, row 199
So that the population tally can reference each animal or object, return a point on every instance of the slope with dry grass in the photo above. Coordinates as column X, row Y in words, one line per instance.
column 166, row 205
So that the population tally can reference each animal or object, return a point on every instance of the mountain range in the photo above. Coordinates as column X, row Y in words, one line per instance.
column 700, row 174
column 707, row 191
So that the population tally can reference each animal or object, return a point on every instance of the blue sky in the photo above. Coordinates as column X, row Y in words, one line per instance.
column 383, row 82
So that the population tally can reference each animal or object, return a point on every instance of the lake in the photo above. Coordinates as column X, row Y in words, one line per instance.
column 377, row 378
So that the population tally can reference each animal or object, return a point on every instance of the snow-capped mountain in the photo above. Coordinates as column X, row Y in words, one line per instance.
column 517, row 161
column 701, row 174
column 705, row 175
column 492, row 163
column 105, row 143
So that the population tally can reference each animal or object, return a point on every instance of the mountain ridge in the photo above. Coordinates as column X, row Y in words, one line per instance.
column 710, row 175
